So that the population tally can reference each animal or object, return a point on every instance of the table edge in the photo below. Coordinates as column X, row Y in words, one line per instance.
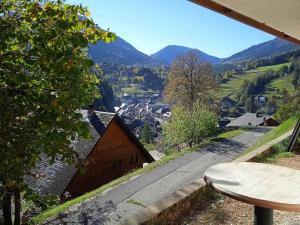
column 254, row 201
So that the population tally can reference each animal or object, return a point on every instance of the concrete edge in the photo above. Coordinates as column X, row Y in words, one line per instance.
column 150, row 212
column 262, row 149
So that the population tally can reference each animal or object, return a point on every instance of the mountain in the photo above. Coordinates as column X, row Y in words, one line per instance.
column 118, row 52
column 121, row 52
column 265, row 49
column 169, row 53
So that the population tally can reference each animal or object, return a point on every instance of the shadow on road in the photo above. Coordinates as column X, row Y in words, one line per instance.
column 225, row 146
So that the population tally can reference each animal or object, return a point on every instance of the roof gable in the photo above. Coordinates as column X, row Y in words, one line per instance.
column 53, row 178
column 56, row 177
column 248, row 119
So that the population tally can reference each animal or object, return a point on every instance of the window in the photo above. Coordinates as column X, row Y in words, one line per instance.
column 113, row 165
column 116, row 163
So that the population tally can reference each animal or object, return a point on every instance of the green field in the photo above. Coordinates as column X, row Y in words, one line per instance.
column 230, row 87
column 278, row 85
column 136, row 91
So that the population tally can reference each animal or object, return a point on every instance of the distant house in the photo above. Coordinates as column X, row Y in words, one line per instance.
column 162, row 110
column 260, row 100
column 111, row 152
column 253, row 120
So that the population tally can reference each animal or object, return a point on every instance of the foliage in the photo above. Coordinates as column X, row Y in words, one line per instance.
column 290, row 108
column 138, row 79
column 190, row 126
column 249, row 105
column 147, row 136
column 108, row 99
column 45, row 78
column 249, row 88
column 277, row 151
column 268, row 61
column 295, row 69
column 189, row 81
column 274, row 133
column 230, row 87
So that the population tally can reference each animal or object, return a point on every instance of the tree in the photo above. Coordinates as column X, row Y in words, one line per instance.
column 288, row 109
column 271, row 105
column 296, row 75
column 45, row 77
column 190, row 80
column 147, row 136
column 249, row 105
column 190, row 126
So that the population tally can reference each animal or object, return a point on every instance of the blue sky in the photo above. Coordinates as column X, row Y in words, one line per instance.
column 150, row 25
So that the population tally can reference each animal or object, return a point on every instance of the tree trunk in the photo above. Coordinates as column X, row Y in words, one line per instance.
column 7, row 209
column 17, row 207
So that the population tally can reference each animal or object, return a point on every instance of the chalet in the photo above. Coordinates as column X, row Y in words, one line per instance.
column 253, row 120
column 111, row 152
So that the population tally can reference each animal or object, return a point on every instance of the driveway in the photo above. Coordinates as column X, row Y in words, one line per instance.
column 128, row 199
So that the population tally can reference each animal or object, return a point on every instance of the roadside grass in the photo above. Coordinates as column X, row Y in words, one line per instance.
column 273, row 134
column 134, row 202
column 172, row 154
column 277, row 151
column 149, row 147
column 230, row 134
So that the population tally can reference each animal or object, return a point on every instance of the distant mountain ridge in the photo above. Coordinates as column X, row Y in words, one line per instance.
column 118, row 52
column 265, row 49
column 170, row 52
column 121, row 52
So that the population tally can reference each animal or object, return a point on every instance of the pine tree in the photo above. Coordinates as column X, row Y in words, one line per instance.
column 147, row 136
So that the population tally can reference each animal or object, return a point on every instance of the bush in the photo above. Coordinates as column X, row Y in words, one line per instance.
column 190, row 126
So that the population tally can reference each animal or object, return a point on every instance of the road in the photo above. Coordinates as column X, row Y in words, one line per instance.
column 129, row 198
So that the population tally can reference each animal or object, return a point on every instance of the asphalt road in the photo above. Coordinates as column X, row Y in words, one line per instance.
column 129, row 198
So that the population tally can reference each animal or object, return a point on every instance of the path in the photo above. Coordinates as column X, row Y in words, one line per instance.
column 129, row 198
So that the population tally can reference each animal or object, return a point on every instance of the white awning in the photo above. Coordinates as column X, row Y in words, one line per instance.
column 277, row 17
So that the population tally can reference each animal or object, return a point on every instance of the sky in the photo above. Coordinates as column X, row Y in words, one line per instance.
column 150, row 25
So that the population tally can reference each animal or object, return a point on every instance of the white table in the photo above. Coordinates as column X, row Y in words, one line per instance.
column 265, row 186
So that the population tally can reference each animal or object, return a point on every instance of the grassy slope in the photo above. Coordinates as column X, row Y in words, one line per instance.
column 276, row 132
column 279, row 84
column 228, row 88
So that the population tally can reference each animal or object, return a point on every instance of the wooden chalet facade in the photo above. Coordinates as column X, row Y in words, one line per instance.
column 111, row 152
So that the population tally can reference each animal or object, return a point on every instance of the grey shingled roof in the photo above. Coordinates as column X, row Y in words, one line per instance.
column 55, row 177
column 247, row 118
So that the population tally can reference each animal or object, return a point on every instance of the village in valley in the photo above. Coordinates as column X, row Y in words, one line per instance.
column 94, row 131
